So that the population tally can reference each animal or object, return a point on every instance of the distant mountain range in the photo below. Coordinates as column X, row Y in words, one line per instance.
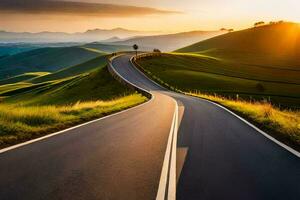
column 118, row 36
column 170, row 42
column 88, row 36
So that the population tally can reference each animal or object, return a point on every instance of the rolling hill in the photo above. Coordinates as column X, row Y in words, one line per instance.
column 86, row 81
column 259, row 63
column 82, row 68
column 7, row 49
column 92, row 86
column 170, row 42
column 44, row 59
column 107, row 48
column 37, row 103
column 272, row 45
column 22, row 77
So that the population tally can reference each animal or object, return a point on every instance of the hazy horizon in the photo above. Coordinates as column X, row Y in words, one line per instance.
column 165, row 16
column 158, row 32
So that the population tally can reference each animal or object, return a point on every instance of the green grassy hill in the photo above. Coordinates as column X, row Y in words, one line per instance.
column 35, row 104
column 97, row 85
column 252, row 63
column 275, row 46
column 87, row 81
column 22, row 77
column 81, row 68
column 28, row 81
column 45, row 60
column 107, row 48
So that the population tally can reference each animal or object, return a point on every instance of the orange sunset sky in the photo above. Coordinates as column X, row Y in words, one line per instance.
column 148, row 15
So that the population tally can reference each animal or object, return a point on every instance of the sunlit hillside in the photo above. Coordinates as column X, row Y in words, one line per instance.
column 34, row 104
column 275, row 44
column 260, row 62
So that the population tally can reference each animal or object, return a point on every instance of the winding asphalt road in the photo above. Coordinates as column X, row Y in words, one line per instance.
column 121, row 156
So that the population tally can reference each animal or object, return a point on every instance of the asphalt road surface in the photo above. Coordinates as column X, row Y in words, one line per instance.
column 121, row 157
column 226, row 158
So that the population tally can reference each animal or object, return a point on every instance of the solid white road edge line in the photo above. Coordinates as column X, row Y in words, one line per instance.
column 172, row 174
column 71, row 128
column 115, row 71
column 78, row 126
column 132, row 63
column 169, row 165
column 165, row 168
column 291, row 150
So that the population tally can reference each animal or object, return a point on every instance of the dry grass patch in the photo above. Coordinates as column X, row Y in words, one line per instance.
column 19, row 122
column 283, row 123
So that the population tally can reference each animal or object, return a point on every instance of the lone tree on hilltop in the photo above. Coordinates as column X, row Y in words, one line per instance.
column 135, row 47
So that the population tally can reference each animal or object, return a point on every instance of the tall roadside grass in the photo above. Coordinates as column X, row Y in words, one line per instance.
column 281, row 123
column 20, row 122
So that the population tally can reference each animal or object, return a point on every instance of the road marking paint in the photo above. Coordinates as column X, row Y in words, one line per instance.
column 291, row 150
column 165, row 168
column 80, row 125
column 71, row 128
column 110, row 63
column 172, row 173
column 167, row 182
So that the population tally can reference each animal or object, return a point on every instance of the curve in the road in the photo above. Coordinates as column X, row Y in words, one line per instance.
column 123, row 156
column 114, row 158
column 226, row 157
column 167, row 183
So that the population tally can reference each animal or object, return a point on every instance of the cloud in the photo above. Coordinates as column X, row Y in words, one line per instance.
column 77, row 8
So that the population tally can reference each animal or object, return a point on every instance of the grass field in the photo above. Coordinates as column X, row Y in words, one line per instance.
column 188, row 72
column 20, row 122
column 260, row 66
column 261, row 62
column 283, row 124
column 43, row 60
column 35, row 104
column 22, row 77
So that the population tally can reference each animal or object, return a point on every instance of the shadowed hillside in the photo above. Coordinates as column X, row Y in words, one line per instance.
column 7, row 49
column 93, row 86
column 34, row 104
column 45, row 59
column 81, row 68
column 22, row 77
